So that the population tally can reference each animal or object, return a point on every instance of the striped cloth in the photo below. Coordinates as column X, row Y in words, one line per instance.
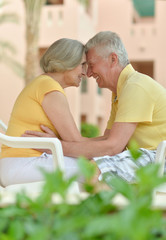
column 123, row 165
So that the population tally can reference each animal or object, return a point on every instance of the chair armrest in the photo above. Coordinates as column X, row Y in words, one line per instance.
column 53, row 144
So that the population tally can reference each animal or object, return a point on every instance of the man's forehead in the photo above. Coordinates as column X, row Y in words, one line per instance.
column 90, row 60
column 91, row 56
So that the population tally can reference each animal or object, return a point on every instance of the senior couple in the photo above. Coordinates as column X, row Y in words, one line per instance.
column 138, row 112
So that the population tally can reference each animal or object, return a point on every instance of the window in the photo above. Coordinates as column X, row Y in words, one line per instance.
column 83, row 118
column 54, row 2
column 41, row 52
column 146, row 67
column 99, row 122
column 144, row 11
column 144, row 8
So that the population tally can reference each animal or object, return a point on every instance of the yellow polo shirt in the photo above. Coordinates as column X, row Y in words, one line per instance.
column 28, row 114
column 140, row 99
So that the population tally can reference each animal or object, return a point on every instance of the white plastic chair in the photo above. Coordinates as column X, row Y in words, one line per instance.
column 35, row 142
column 3, row 126
column 160, row 159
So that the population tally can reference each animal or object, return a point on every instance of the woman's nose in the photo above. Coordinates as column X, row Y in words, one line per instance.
column 84, row 71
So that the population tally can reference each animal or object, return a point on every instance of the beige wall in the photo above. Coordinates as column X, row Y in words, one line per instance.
column 10, row 84
column 160, row 46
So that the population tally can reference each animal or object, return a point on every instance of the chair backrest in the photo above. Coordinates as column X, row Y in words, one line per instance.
column 3, row 126
column 160, row 159
column 160, row 156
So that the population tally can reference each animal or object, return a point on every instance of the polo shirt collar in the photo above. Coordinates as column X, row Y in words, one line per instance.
column 128, row 70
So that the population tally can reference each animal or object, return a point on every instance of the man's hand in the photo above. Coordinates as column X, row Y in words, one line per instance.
column 47, row 132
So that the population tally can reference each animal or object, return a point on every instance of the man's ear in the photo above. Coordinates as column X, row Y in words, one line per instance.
column 113, row 58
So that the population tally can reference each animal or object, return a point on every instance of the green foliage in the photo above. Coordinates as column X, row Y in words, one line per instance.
column 92, row 218
column 87, row 170
column 89, row 130
column 138, row 220
column 135, row 153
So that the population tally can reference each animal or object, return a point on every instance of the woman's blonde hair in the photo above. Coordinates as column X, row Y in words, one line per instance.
column 64, row 54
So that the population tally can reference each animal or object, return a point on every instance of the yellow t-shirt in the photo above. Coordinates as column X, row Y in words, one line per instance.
column 28, row 114
column 140, row 99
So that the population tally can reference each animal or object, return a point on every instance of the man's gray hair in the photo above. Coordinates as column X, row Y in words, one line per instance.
column 64, row 54
column 108, row 42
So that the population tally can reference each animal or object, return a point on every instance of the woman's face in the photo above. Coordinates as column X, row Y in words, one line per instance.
column 73, row 77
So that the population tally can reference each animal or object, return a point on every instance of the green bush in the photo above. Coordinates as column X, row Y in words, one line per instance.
column 93, row 218
column 89, row 130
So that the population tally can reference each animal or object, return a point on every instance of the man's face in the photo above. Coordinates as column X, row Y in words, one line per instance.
column 99, row 68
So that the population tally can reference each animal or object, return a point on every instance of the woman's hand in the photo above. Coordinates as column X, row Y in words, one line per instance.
column 47, row 132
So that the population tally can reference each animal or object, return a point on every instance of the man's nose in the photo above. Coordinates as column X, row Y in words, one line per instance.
column 89, row 72
column 84, row 71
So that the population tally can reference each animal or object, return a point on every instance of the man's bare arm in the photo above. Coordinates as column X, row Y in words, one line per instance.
column 105, row 136
column 115, row 143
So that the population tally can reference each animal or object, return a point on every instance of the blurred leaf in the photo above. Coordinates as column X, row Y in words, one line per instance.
column 148, row 179
column 100, row 226
column 86, row 167
column 89, row 130
column 15, row 230
column 55, row 183
column 134, row 150
column 121, row 186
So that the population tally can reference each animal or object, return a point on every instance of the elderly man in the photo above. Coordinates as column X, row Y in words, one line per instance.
column 138, row 110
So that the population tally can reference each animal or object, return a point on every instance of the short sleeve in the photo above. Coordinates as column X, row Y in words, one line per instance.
column 47, row 85
column 135, row 105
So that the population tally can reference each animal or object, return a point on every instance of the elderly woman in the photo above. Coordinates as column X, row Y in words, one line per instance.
column 43, row 101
